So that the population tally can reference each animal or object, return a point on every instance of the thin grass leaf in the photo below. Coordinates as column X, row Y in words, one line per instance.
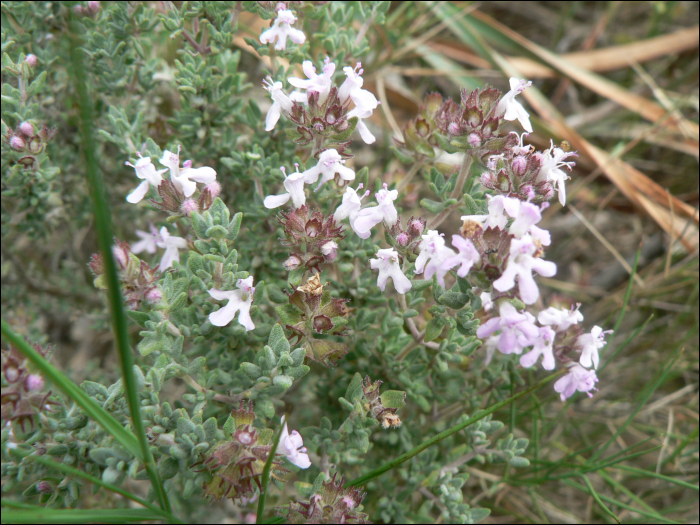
column 103, row 225
column 19, row 505
column 593, row 493
column 97, row 481
column 648, row 474
column 266, row 474
column 79, row 516
column 446, row 433
column 684, row 443
column 618, row 503
column 644, row 398
column 89, row 405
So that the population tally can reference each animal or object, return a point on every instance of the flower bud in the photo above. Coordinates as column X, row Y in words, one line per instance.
column 17, row 143
column 519, row 165
column 153, row 296
column 34, row 382
column 453, row 128
column 293, row 262
column 121, row 256
column 416, row 227
column 26, row 128
column 474, row 140
column 30, row 60
column 78, row 10
column 402, row 239
column 44, row 487
column 12, row 373
column 188, row 207
column 93, row 6
column 330, row 250
column 214, row 188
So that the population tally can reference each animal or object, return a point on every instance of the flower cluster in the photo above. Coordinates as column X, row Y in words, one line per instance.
column 23, row 397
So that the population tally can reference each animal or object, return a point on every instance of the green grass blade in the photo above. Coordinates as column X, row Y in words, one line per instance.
column 645, row 396
column 446, row 433
column 593, row 493
column 618, row 503
column 266, row 475
column 649, row 474
column 18, row 505
column 104, row 236
column 686, row 440
column 78, row 516
column 96, row 481
column 89, row 405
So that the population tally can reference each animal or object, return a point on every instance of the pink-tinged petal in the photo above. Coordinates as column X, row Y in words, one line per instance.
column 344, row 172
column 311, row 175
column 204, row 175
column 225, row 315
column 541, row 235
column 507, row 280
column 301, row 460
column 169, row 257
column 544, row 268
column 365, row 133
column 401, row 282
column 244, row 318
column 221, row 295
column 275, row 201
column 139, row 193
column 296, row 35
column 273, row 115
column 529, row 292
column 185, row 185
column 488, row 328
column 367, row 219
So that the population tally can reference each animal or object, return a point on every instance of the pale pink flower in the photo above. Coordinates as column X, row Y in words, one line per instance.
column 517, row 329
column 329, row 163
column 560, row 318
column 388, row 266
column 552, row 160
column 433, row 253
column 282, row 29
column 577, row 378
column 239, row 301
column 542, row 347
column 511, row 109
column 280, row 102
column 172, row 246
column 149, row 241
column 521, row 264
column 292, row 446
column 314, row 83
column 385, row 211
column 465, row 259
column 180, row 177
column 294, row 184
column 590, row 344
column 151, row 177
column 351, row 204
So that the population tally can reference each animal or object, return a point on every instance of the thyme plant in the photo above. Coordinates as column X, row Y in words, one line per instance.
column 285, row 282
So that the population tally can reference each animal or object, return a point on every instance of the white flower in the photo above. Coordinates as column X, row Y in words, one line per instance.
column 466, row 257
column 320, row 84
column 151, row 177
column 294, row 184
column 590, row 344
column 239, row 300
column 542, row 347
column 560, row 318
column 282, row 29
column 521, row 263
column 510, row 109
column 384, row 211
column 172, row 246
column 577, row 378
column 351, row 204
column 388, row 266
column 280, row 102
column 180, row 177
column 433, row 253
column 552, row 160
column 292, row 446
column 365, row 102
column 486, row 302
column 329, row 163
column 149, row 241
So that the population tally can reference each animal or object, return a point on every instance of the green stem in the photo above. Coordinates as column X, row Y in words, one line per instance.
column 442, row 435
column 462, row 178
column 266, row 475
column 104, row 237
column 407, row 179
